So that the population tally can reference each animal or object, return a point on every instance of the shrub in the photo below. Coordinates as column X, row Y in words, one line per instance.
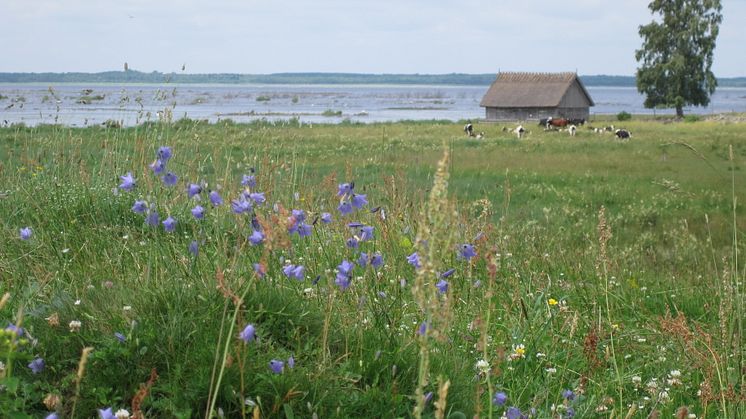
column 623, row 116
column 330, row 112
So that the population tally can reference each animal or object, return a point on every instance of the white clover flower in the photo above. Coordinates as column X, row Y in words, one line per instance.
column 663, row 396
column 122, row 414
column 483, row 366
column 551, row 370
column 74, row 325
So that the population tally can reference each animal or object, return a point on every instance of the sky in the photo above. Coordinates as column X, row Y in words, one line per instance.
column 360, row 36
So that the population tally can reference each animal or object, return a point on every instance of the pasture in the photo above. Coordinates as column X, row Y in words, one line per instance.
column 606, row 279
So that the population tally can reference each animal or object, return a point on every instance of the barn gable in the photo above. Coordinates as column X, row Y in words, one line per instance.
column 535, row 95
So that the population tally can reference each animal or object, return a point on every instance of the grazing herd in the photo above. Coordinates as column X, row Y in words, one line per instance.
column 569, row 125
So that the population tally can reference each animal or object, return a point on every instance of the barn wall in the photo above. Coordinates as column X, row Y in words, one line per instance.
column 582, row 112
column 574, row 97
column 518, row 114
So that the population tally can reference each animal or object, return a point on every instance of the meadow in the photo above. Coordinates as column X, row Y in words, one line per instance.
column 385, row 270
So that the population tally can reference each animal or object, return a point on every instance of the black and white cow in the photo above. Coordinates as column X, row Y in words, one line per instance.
column 623, row 134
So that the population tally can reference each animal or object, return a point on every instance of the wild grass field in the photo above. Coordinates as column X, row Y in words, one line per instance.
column 382, row 270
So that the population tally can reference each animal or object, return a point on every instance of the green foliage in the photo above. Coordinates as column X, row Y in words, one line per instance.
column 331, row 112
column 623, row 116
column 263, row 98
column 677, row 52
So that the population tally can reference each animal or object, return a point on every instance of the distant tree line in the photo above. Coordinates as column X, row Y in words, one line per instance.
column 133, row 76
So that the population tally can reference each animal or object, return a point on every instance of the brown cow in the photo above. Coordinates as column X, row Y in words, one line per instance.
column 557, row 123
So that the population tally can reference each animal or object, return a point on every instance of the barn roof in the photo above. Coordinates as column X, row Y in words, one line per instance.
column 529, row 90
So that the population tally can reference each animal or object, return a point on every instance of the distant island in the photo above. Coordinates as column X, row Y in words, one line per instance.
column 462, row 79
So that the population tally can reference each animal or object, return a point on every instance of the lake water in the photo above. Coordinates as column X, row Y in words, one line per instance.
column 89, row 104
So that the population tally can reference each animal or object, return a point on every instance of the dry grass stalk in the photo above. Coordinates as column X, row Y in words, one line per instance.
column 434, row 239
column 440, row 405
column 142, row 394
column 79, row 376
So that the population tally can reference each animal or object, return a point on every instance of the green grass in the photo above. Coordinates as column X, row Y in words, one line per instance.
column 667, row 296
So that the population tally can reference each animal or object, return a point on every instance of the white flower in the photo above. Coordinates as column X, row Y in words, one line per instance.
column 551, row 370
column 675, row 373
column 122, row 414
column 663, row 396
column 75, row 325
column 636, row 380
column 483, row 366
column 519, row 351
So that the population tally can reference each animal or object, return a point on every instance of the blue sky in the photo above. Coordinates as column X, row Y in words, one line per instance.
column 382, row 36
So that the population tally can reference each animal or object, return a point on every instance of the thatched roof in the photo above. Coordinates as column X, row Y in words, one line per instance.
column 531, row 90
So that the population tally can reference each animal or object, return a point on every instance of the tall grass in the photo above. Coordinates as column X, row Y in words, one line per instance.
column 646, row 320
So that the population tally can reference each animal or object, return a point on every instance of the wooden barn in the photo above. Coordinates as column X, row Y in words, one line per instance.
column 523, row 96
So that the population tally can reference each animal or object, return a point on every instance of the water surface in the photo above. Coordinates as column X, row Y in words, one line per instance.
column 89, row 104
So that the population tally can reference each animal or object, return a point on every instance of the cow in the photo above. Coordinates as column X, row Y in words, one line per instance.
column 573, row 129
column 469, row 129
column 623, row 134
column 558, row 123
column 519, row 131
column 480, row 135
column 577, row 121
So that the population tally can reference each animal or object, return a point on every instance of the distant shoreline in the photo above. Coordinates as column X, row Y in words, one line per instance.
column 454, row 79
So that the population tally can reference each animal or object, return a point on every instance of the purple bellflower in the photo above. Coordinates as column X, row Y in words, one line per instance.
column 215, row 199
column 36, row 366
column 128, row 182
column 139, row 207
column 169, row 224
column 25, row 233
column 170, row 179
column 256, row 238
column 466, row 251
column 276, row 366
column 198, row 212
column 248, row 333
column 414, row 260
column 193, row 190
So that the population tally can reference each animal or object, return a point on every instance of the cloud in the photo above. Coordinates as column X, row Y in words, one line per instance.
column 592, row 36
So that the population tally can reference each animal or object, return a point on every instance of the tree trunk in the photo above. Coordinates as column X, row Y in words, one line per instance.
column 679, row 111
